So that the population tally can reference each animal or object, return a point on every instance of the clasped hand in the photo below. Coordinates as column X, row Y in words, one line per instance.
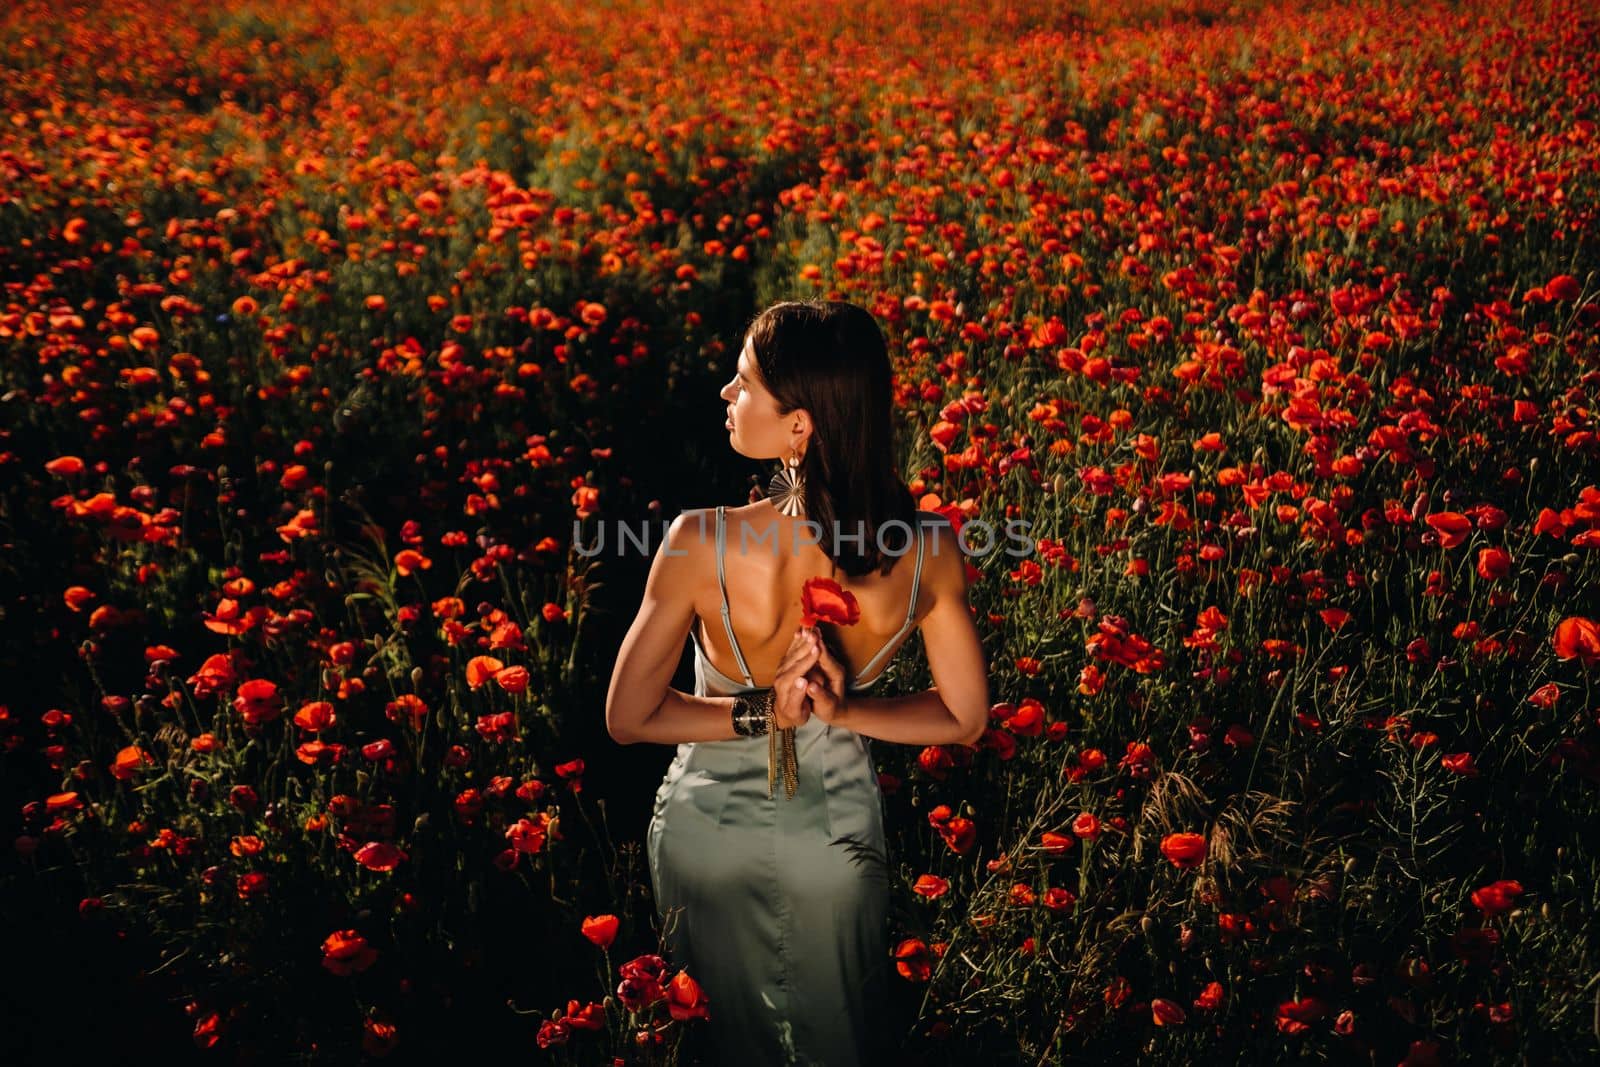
column 810, row 681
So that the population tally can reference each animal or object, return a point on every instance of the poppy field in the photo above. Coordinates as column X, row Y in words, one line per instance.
column 328, row 330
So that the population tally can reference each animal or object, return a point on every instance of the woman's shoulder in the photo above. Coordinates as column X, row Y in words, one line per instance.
column 943, row 566
column 936, row 524
column 694, row 528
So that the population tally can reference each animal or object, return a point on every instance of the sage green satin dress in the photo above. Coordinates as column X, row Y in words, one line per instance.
column 778, row 907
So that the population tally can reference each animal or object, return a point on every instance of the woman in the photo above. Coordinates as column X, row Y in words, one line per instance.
column 778, row 906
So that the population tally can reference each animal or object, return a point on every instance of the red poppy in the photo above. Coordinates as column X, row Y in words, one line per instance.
column 935, row 761
column 1027, row 720
column 346, row 952
column 959, row 834
column 408, row 561
column 824, row 600
column 685, row 999
column 379, row 856
column 208, row 1029
column 315, row 716
column 528, row 835
column 129, row 761
column 408, row 709
column 553, row 1032
column 1184, row 850
column 1057, row 898
column 65, row 466
column 912, row 960
column 1545, row 696
column 77, row 598
column 379, row 1037
column 55, row 803
column 1577, row 638
column 1493, row 563
column 601, row 929
column 592, row 1016
column 214, row 675
column 1451, row 527
column 257, row 701
column 513, row 680
column 1563, row 287
column 1055, row 843
column 482, row 668
column 1296, row 1016
column 1497, row 897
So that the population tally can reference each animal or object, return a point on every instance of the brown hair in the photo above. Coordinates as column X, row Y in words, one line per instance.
column 830, row 358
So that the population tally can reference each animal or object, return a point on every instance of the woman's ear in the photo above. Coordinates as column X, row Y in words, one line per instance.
column 801, row 426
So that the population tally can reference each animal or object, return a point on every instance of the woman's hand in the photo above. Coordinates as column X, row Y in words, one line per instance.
column 825, row 684
column 791, row 705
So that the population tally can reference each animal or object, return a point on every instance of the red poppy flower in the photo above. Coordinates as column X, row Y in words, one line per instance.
column 685, row 999
column 1578, row 638
column 528, row 835
column 346, row 952
column 1184, row 849
column 912, row 960
column 408, row 561
column 482, row 668
column 591, row 1016
column 1563, row 287
column 379, row 856
column 65, row 466
column 513, row 680
column 1493, row 563
column 129, row 761
column 1055, row 843
column 1451, row 527
column 1296, row 1016
column 601, row 929
column 409, row 709
column 1497, row 897
column 315, row 717
column 959, row 834
column 257, row 701
column 824, row 600
column 1057, row 898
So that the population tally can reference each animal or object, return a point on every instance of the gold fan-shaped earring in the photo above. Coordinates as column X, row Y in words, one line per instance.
column 787, row 490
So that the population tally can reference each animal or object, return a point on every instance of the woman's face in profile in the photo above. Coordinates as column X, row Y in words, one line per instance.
column 755, row 428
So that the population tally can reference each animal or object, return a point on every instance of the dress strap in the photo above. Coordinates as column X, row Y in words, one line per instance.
column 911, row 608
column 916, row 576
column 722, row 584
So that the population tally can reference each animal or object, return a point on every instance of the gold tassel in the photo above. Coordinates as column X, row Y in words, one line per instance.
column 791, row 768
column 772, row 750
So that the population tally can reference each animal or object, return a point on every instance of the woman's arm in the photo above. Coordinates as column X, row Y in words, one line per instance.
column 956, row 710
column 640, row 703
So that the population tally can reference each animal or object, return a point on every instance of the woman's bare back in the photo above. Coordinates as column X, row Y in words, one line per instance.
column 764, row 581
